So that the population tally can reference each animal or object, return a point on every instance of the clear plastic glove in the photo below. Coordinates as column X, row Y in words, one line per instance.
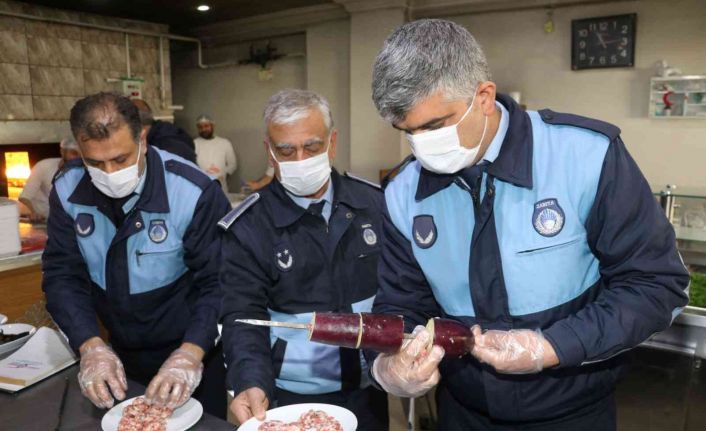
column 176, row 380
column 412, row 371
column 250, row 402
column 517, row 351
column 101, row 368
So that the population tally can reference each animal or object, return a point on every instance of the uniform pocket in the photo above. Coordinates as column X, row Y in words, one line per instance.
column 545, row 248
column 545, row 274
column 146, row 256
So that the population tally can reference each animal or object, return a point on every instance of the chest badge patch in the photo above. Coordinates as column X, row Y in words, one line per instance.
column 284, row 258
column 369, row 235
column 548, row 217
column 424, row 231
column 158, row 231
column 84, row 224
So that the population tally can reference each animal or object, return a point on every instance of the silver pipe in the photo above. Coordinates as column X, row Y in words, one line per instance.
column 115, row 29
column 127, row 55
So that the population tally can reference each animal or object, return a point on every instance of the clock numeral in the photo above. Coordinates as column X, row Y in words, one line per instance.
column 603, row 26
column 582, row 44
column 624, row 41
column 592, row 27
column 582, row 56
column 601, row 60
column 624, row 29
column 615, row 25
column 613, row 59
column 624, row 53
column 583, row 33
column 590, row 59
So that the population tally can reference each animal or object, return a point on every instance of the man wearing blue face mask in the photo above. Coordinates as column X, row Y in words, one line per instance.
column 307, row 242
column 536, row 229
column 133, row 241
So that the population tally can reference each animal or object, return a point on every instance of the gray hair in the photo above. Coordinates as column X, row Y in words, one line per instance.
column 421, row 58
column 291, row 105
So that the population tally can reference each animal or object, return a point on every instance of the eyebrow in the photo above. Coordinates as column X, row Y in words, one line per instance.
column 95, row 162
column 425, row 125
column 284, row 145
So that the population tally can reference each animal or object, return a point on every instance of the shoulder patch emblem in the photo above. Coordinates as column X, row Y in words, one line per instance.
column 84, row 224
column 548, row 217
column 236, row 212
column 424, row 231
column 362, row 180
column 369, row 235
column 158, row 231
column 284, row 258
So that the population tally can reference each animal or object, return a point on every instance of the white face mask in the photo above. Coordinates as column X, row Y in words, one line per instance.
column 441, row 151
column 117, row 184
column 305, row 177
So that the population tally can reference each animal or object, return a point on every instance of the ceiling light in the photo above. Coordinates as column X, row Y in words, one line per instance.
column 203, row 8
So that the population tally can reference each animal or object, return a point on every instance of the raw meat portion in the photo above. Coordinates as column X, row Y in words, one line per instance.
column 313, row 420
column 140, row 416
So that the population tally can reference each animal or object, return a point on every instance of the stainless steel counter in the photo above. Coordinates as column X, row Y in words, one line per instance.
column 33, row 237
column 21, row 260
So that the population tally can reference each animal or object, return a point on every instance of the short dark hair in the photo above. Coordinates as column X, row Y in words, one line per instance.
column 99, row 115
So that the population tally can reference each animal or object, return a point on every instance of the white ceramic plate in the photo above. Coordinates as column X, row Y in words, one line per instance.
column 3, row 319
column 293, row 413
column 182, row 419
column 15, row 328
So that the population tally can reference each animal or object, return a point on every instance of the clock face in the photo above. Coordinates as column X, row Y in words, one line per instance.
column 603, row 42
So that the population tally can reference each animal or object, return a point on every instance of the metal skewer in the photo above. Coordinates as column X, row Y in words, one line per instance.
column 291, row 325
column 275, row 324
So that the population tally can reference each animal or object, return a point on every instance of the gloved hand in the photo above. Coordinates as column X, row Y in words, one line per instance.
column 176, row 380
column 413, row 370
column 250, row 402
column 517, row 351
column 101, row 368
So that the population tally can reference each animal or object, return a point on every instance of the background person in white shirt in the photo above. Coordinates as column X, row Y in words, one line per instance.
column 35, row 194
column 214, row 154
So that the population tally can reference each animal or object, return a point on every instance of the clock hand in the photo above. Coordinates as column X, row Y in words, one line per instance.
column 600, row 39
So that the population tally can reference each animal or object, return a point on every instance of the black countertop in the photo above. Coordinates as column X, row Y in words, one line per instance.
column 37, row 407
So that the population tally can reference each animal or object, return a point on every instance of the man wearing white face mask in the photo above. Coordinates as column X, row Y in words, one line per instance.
column 307, row 242
column 133, row 241
column 536, row 229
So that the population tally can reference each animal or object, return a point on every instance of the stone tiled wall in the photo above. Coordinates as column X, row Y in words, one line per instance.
column 46, row 67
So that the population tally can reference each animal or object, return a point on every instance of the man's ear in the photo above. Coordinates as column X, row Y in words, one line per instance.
column 332, row 144
column 486, row 92
column 143, row 139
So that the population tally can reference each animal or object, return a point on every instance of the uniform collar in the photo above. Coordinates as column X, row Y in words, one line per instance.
column 153, row 197
column 514, row 160
column 286, row 212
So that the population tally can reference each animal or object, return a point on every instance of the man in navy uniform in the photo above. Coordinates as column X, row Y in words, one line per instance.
column 535, row 228
column 308, row 242
column 133, row 240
